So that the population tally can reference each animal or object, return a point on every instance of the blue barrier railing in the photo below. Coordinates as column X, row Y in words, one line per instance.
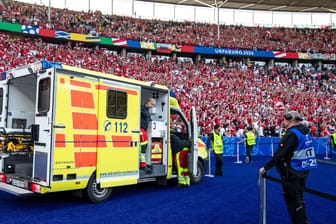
column 267, row 146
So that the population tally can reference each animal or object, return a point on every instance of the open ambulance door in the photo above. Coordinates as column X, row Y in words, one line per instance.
column 194, row 145
column 118, row 124
column 3, row 99
column 43, row 129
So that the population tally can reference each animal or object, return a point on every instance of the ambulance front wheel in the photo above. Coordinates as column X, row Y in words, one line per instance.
column 94, row 193
column 197, row 178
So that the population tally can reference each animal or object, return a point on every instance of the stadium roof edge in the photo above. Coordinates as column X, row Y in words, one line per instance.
column 308, row 6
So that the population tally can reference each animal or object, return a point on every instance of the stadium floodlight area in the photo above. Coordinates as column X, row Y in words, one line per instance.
column 154, row 10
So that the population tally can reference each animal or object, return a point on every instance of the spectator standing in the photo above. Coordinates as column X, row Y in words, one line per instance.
column 295, row 149
column 215, row 143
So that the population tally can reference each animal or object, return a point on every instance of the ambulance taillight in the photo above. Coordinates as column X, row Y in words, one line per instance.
column 36, row 188
column 3, row 178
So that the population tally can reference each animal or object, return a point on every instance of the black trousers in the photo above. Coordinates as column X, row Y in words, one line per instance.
column 293, row 194
column 248, row 152
column 219, row 164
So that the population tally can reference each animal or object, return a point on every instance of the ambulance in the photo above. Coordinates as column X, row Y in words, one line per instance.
column 64, row 128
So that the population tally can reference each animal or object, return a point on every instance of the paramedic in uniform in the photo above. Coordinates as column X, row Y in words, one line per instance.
column 145, row 118
column 294, row 158
column 180, row 149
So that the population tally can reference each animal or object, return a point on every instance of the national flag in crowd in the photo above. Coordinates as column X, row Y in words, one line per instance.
column 90, row 38
column 30, row 30
column 46, row 32
column 119, row 42
column 62, row 34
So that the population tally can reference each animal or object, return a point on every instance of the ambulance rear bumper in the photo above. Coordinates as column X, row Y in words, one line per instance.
column 15, row 190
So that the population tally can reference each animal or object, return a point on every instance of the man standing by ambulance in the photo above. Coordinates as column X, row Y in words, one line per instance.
column 145, row 118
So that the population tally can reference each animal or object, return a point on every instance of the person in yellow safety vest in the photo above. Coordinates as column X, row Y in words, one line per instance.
column 250, row 141
column 215, row 142
column 332, row 143
column 145, row 118
column 180, row 149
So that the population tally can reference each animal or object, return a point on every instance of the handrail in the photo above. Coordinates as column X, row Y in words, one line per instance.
column 262, row 193
column 308, row 190
column 262, row 199
column 238, row 160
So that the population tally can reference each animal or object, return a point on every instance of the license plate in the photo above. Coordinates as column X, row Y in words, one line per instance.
column 18, row 183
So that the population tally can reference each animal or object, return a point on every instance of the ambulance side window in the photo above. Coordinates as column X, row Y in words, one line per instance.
column 116, row 104
column 44, row 95
column 1, row 100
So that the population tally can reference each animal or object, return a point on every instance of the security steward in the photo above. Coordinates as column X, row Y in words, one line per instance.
column 250, row 141
column 180, row 149
column 215, row 142
column 294, row 158
column 333, row 142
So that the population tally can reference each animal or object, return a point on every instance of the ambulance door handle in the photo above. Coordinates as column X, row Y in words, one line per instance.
column 134, row 143
column 136, row 131
column 59, row 126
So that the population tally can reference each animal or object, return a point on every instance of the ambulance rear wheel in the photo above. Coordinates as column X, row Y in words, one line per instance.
column 196, row 179
column 94, row 193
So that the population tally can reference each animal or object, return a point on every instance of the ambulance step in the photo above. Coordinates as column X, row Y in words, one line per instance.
column 156, row 170
column 14, row 190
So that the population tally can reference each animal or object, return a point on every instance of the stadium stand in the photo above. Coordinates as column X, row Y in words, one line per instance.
column 187, row 33
column 233, row 94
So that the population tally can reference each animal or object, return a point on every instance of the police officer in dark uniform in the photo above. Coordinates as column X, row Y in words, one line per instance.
column 293, row 160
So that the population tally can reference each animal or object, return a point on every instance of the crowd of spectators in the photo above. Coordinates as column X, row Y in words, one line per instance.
column 232, row 94
column 179, row 33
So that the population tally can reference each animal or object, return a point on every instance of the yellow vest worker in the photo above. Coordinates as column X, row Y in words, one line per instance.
column 215, row 141
column 249, row 143
column 332, row 143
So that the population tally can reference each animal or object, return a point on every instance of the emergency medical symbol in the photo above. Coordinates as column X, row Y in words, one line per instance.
column 107, row 126
column 157, row 148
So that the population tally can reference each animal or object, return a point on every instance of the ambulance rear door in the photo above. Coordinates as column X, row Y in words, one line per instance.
column 194, row 140
column 119, row 123
column 44, row 120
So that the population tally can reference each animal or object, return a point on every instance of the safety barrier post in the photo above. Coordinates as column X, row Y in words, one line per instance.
column 326, row 152
column 209, row 168
column 262, row 199
column 238, row 160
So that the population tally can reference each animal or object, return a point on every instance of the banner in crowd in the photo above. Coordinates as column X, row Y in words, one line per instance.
column 162, row 47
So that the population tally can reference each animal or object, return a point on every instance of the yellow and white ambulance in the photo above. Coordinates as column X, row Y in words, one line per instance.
column 65, row 128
